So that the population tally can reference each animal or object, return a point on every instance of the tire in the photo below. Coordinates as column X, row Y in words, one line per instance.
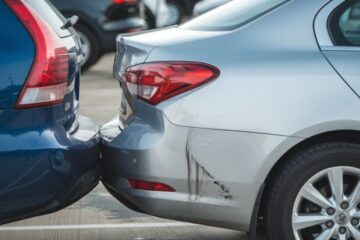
column 150, row 19
column 177, row 10
column 288, row 193
column 91, row 46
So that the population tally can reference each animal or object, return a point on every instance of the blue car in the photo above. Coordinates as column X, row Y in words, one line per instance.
column 49, row 155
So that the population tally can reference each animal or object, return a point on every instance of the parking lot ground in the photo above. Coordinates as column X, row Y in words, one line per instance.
column 99, row 215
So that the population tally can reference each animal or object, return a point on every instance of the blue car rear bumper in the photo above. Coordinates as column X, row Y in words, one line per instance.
column 47, row 168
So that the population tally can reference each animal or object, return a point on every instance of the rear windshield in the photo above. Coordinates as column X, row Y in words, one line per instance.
column 232, row 15
column 51, row 15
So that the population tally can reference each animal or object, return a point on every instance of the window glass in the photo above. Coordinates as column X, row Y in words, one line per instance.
column 345, row 24
column 232, row 15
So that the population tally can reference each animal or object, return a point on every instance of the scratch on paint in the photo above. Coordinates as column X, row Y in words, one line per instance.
column 192, row 163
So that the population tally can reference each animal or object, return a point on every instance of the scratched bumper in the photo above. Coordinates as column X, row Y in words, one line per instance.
column 162, row 152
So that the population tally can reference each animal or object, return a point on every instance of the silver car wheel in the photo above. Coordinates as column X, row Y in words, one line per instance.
column 327, row 206
column 85, row 46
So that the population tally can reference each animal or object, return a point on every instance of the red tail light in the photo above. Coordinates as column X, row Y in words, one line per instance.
column 156, row 82
column 125, row 1
column 150, row 186
column 47, row 83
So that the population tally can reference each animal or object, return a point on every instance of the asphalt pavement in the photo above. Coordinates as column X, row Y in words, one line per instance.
column 99, row 215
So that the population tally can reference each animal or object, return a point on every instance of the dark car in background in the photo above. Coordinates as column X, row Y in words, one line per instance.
column 181, row 8
column 49, row 155
column 100, row 21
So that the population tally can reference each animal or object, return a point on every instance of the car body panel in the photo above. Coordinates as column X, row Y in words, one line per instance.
column 43, row 165
column 146, row 149
column 285, row 116
column 217, row 144
column 133, row 49
column 345, row 61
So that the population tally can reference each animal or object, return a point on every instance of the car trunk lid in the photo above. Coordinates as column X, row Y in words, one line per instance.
column 135, row 49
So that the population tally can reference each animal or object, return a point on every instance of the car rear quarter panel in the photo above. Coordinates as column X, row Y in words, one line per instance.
column 274, row 79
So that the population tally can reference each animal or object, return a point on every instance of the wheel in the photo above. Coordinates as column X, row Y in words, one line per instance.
column 177, row 12
column 316, row 195
column 90, row 46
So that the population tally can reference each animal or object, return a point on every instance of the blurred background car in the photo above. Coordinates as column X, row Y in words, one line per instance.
column 100, row 21
column 157, row 14
column 49, row 155
column 207, row 5
column 180, row 9
column 162, row 13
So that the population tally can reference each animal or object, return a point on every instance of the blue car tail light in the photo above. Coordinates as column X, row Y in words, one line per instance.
column 47, row 82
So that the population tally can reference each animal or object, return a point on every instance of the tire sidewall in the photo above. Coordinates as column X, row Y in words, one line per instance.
column 303, row 168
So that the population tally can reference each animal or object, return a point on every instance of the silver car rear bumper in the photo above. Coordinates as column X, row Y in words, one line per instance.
column 212, row 187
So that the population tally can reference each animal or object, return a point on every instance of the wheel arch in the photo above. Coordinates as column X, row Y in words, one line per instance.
column 348, row 136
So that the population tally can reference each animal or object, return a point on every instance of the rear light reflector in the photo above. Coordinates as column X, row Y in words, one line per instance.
column 39, row 95
column 156, row 82
column 150, row 186
column 47, row 82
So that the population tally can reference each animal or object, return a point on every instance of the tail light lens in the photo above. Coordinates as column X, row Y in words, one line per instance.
column 47, row 82
column 150, row 186
column 156, row 82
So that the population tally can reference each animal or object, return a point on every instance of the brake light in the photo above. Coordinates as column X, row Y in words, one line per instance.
column 125, row 1
column 156, row 82
column 150, row 186
column 47, row 82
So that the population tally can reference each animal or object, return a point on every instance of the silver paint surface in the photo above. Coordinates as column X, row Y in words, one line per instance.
column 280, row 84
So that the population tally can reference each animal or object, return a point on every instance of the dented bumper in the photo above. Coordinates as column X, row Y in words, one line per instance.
column 212, row 188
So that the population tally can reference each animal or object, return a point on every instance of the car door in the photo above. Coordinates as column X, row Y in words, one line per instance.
column 338, row 34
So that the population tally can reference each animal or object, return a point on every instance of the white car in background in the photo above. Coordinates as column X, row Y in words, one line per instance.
column 158, row 14
column 207, row 5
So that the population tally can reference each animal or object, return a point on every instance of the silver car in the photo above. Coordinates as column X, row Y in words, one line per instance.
column 248, row 113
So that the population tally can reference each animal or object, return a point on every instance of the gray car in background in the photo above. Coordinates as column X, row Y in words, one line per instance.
column 207, row 5
column 248, row 113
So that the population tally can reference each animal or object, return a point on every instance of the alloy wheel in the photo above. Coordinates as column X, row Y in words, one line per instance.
column 327, row 206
